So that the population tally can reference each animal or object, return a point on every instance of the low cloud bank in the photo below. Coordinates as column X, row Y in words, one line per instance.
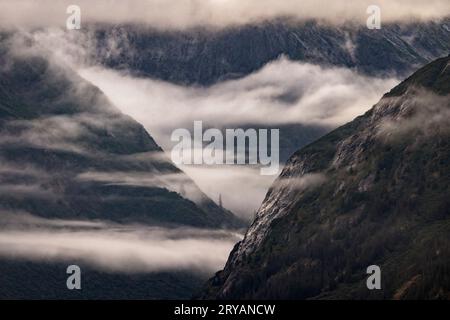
column 282, row 92
column 114, row 247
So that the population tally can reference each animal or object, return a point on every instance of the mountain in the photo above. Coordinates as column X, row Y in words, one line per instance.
column 200, row 57
column 67, row 152
column 372, row 192
column 205, row 57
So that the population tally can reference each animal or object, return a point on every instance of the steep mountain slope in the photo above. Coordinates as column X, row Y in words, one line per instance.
column 66, row 152
column 205, row 57
column 372, row 192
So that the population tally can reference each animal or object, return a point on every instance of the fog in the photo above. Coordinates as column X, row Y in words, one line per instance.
column 282, row 92
column 114, row 247
column 242, row 188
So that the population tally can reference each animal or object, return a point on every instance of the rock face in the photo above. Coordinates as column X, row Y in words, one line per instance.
column 67, row 152
column 204, row 57
column 372, row 192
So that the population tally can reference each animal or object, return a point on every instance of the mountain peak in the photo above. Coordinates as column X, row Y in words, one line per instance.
column 93, row 161
column 434, row 76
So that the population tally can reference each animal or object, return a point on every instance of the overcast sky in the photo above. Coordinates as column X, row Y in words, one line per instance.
column 219, row 13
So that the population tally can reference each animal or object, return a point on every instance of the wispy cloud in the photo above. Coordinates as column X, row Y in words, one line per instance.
column 300, row 183
column 417, row 110
column 23, row 179
column 55, row 132
column 178, row 182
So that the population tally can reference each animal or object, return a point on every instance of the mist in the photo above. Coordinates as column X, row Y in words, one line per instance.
column 114, row 247
column 421, row 111
column 177, row 182
column 282, row 92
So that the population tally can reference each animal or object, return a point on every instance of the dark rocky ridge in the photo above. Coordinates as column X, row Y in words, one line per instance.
column 374, row 191
column 203, row 57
